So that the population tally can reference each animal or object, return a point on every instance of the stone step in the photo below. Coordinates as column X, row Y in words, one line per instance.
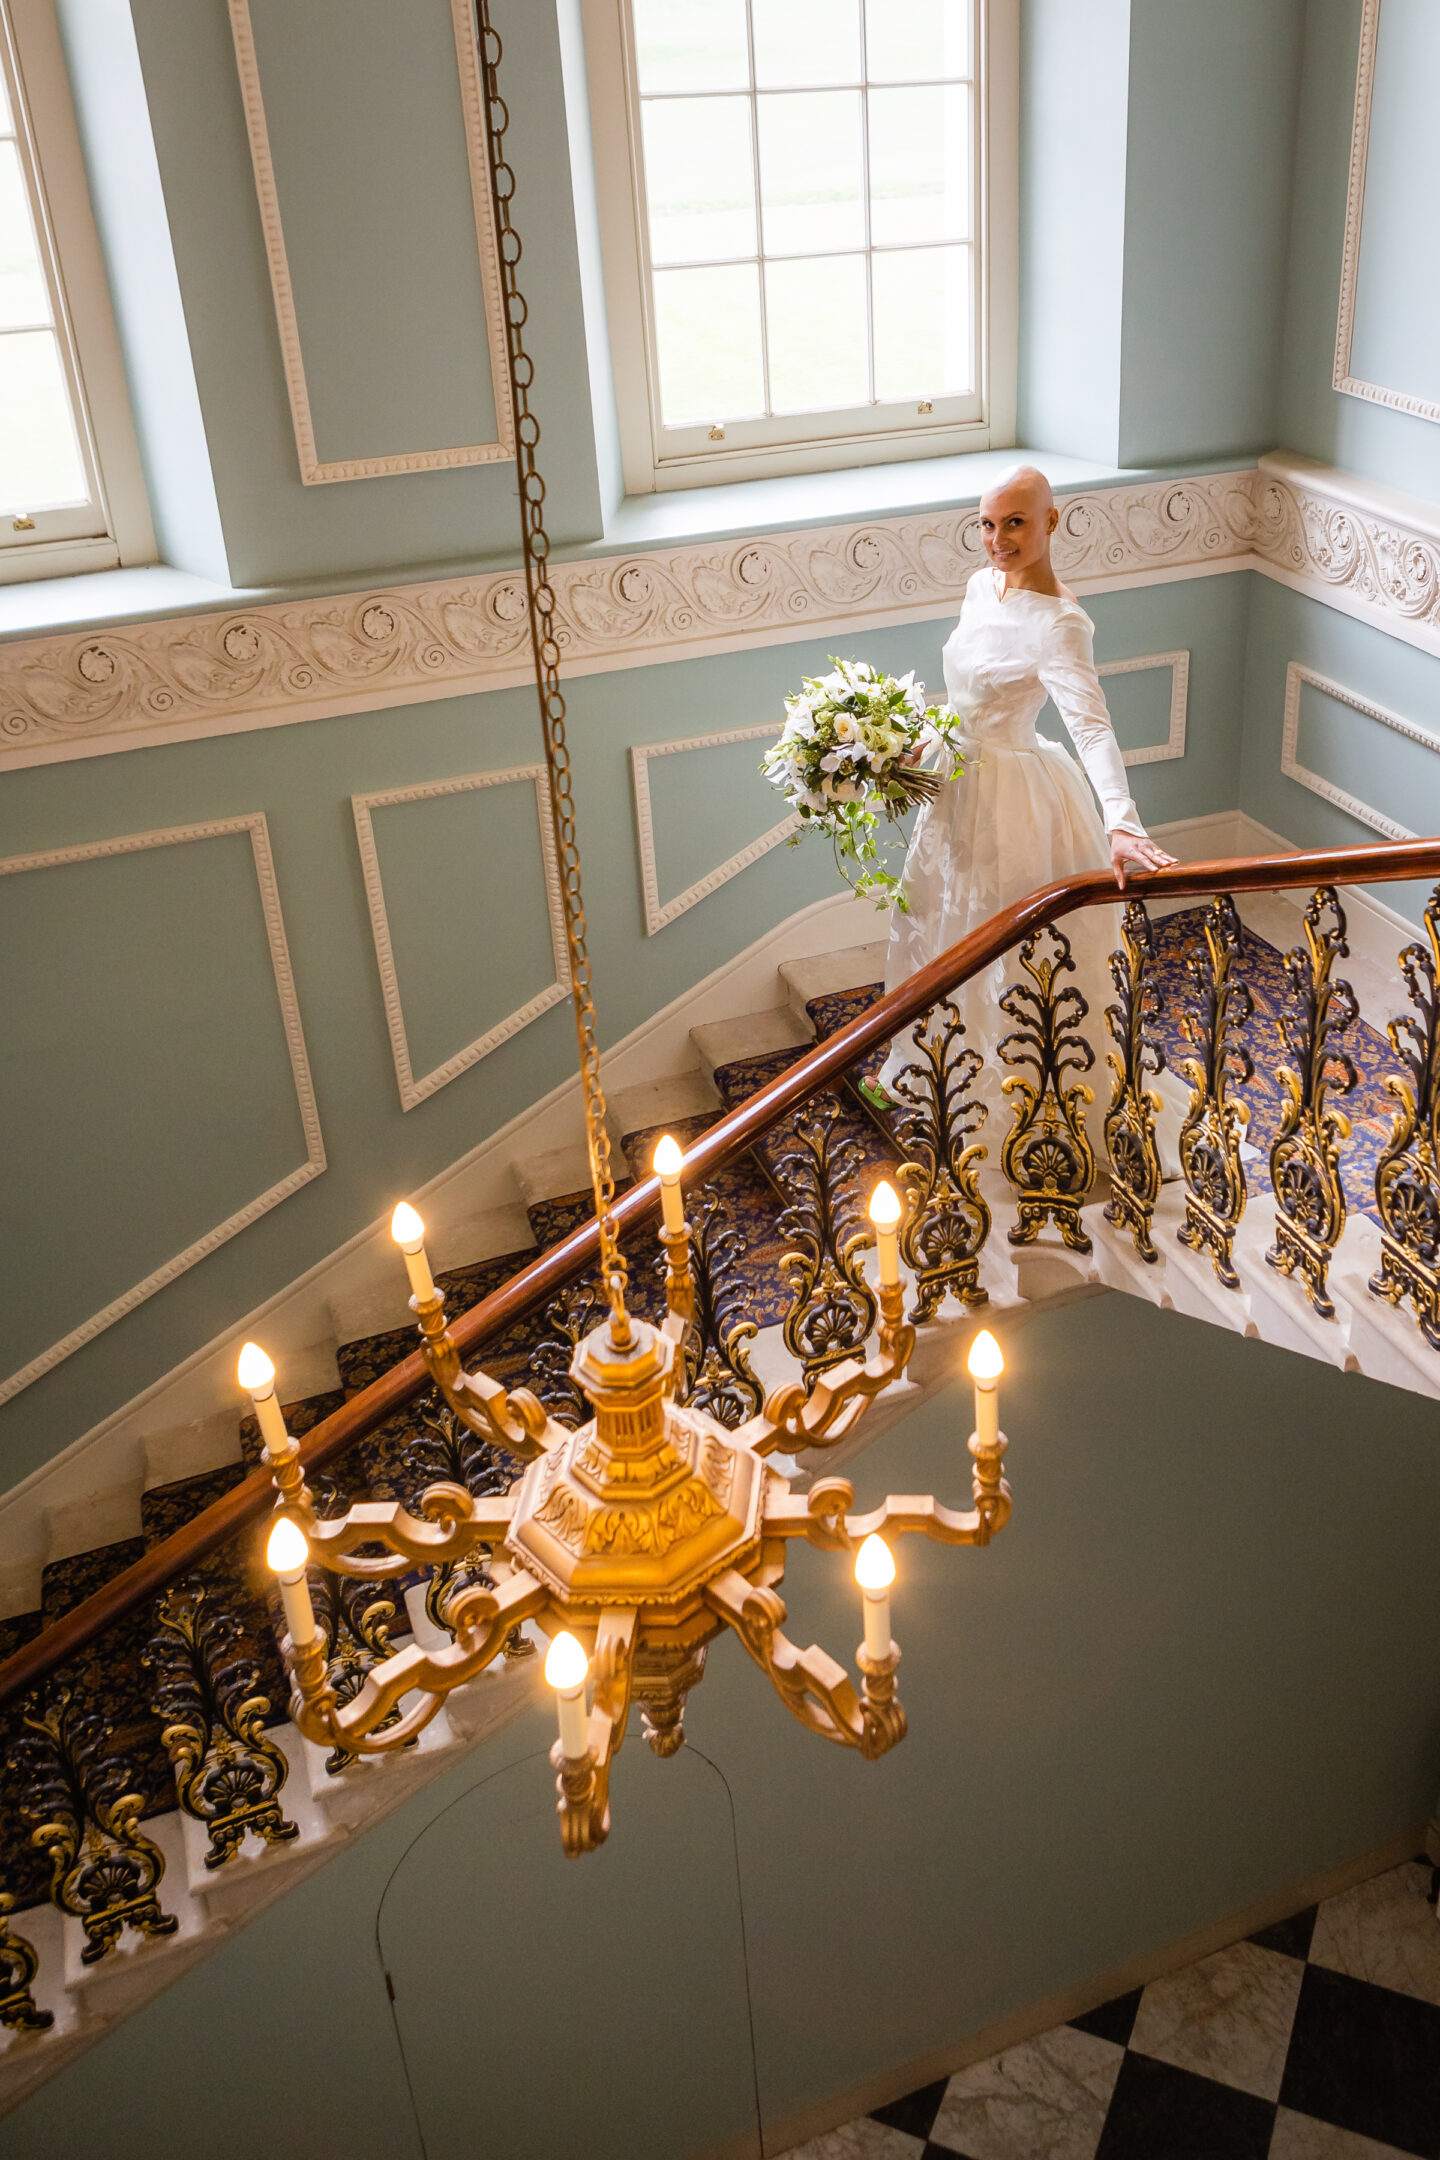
column 828, row 972
column 752, row 1035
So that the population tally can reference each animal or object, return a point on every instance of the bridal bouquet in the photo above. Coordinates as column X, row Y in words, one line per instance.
column 840, row 763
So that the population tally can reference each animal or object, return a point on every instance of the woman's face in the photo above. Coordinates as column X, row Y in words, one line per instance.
column 1015, row 530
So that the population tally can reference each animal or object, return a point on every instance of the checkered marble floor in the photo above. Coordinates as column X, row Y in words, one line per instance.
column 1317, row 2039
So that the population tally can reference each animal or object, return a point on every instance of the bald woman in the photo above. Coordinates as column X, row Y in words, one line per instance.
column 1022, row 812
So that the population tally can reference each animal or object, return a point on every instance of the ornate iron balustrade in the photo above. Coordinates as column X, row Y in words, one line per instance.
column 78, row 1799
column 1409, row 1202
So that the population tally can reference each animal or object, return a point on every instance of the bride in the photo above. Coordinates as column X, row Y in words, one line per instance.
column 1020, row 814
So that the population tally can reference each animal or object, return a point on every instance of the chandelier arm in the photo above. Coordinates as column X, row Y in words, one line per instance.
column 459, row 1525
column 483, row 1621
column 840, row 1398
column 813, row 1687
column 612, row 1668
column 582, row 1782
column 516, row 1422
column 928, row 1517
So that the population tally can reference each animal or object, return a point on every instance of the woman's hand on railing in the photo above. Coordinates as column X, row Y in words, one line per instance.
column 1134, row 848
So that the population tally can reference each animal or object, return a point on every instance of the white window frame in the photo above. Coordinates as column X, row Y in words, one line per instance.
column 113, row 528
column 656, row 458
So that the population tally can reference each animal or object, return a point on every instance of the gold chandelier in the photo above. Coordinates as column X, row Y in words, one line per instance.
column 636, row 1541
column 632, row 1543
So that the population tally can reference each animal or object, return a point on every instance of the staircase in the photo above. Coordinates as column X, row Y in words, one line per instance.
column 156, row 1794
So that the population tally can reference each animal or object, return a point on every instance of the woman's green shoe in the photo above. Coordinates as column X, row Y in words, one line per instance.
column 876, row 1096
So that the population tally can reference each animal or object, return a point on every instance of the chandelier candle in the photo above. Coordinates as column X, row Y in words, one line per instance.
column 667, row 1163
column 286, row 1556
column 256, row 1375
column 875, row 1572
column 986, row 1365
column 409, row 1234
column 885, row 1213
column 567, row 1669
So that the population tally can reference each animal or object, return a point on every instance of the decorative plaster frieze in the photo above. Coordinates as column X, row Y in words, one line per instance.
column 1344, row 376
column 177, row 836
column 144, row 683
column 413, row 1091
column 1368, row 551
column 1363, row 550
column 313, row 470
column 1296, row 677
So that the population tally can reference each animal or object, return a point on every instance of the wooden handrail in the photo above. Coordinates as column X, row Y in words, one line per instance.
column 252, row 1499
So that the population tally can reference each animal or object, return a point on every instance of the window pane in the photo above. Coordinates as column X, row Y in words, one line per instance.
column 23, row 298
column 707, row 326
column 699, row 178
column 815, row 324
column 916, row 40
column 811, row 172
column 798, row 42
column 919, row 165
column 691, row 45
column 923, row 323
column 40, row 464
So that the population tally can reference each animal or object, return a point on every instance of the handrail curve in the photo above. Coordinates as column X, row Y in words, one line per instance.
column 252, row 1499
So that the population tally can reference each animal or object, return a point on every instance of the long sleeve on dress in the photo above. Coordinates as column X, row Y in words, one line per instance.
column 1068, row 674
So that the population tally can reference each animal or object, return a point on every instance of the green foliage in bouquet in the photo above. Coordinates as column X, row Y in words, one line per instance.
column 845, row 764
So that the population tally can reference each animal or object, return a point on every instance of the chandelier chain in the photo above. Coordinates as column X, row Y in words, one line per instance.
column 540, row 602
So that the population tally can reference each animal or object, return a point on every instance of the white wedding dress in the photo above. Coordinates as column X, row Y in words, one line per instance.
column 1020, row 815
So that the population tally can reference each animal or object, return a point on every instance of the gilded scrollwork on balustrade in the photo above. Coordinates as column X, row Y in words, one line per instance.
column 78, row 1798
column 717, row 1376
column 1305, row 1154
column 1407, row 1176
column 1135, row 1061
column 833, row 1308
column 19, row 1963
column 1047, row 1155
column 1215, row 1123
column 948, row 1219
column 228, row 1771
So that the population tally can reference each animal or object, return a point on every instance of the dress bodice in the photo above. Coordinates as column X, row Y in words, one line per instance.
column 1006, row 655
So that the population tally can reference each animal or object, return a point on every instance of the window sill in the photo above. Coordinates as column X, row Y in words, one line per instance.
column 690, row 516
column 30, row 608
column 914, row 486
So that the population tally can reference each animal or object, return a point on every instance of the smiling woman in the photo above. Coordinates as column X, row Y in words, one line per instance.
column 806, row 229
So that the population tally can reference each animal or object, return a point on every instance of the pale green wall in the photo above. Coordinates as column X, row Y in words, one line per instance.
column 130, row 213
column 1392, row 447
column 1156, row 146
column 1212, row 102
column 1398, row 777
column 457, row 870
column 1073, row 62
column 275, row 529
column 1200, row 1666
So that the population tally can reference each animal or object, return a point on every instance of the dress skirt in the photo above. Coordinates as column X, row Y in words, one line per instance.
column 1020, row 815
